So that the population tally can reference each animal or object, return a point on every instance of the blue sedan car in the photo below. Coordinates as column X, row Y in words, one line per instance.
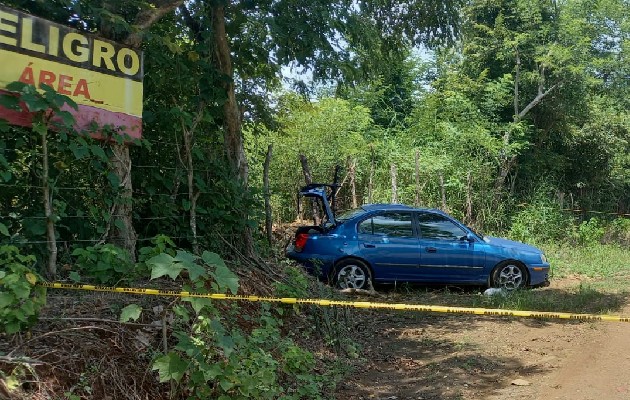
column 396, row 243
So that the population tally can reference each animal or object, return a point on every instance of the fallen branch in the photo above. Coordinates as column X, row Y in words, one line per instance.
column 110, row 321
column 20, row 360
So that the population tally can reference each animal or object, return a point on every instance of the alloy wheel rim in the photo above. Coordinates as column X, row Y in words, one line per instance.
column 511, row 277
column 351, row 277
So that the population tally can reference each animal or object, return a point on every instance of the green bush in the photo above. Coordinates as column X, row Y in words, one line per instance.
column 541, row 221
column 589, row 233
column 216, row 356
column 20, row 298
column 104, row 263
column 618, row 231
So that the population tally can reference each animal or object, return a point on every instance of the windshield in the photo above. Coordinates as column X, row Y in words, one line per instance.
column 346, row 215
column 475, row 232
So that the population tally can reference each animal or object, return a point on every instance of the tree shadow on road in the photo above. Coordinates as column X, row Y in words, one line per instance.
column 420, row 355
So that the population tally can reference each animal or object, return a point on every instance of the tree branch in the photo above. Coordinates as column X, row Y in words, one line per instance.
column 541, row 95
column 148, row 17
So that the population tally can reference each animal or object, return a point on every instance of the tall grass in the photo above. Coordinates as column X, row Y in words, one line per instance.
column 601, row 261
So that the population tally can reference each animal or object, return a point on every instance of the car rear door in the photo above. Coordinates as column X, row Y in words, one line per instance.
column 445, row 253
column 388, row 241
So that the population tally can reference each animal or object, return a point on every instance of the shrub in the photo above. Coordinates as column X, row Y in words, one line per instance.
column 541, row 221
column 215, row 356
column 589, row 233
column 20, row 298
column 104, row 263
column 618, row 231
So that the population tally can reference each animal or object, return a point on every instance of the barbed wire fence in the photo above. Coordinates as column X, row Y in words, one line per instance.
column 156, row 209
column 79, row 222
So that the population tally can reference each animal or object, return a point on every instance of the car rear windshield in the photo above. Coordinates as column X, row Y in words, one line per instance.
column 346, row 215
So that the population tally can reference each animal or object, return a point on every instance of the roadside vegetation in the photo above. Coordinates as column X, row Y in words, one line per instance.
column 510, row 115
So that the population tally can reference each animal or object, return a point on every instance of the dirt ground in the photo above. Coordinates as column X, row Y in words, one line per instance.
column 403, row 355
column 422, row 356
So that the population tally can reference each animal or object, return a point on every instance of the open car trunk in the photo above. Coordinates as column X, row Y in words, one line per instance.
column 324, row 196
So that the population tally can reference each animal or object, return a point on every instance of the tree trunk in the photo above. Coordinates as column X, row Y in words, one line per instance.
column 190, row 174
column 352, row 166
column 392, row 171
column 469, row 198
column 417, row 176
column 308, row 178
column 233, row 136
column 443, row 192
column 51, row 239
column 121, row 231
column 268, row 220
column 371, row 178
column 232, row 133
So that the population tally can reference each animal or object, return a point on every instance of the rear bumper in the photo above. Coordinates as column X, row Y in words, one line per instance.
column 315, row 264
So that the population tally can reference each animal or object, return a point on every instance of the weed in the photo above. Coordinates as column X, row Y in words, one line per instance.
column 607, row 262
column 20, row 298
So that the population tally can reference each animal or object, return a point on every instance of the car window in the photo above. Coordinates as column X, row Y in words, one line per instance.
column 349, row 214
column 388, row 224
column 435, row 226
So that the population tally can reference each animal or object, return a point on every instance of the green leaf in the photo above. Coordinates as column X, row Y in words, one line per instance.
column 170, row 367
column 40, row 128
column 16, row 86
column 226, row 279
column 195, row 271
column 164, row 264
column 74, row 276
column 66, row 118
column 79, row 151
column 98, row 152
column 35, row 102
column 198, row 303
column 185, row 258
column 12, row 383
column 212, row 258
column 114, row 180
column 4, row 230
column 6, row 299
column 226, row 385
column 131, row 312
column 10, row 102
column 210, row 373
column 185, row 205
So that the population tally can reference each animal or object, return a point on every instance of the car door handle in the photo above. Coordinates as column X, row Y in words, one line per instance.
column 369, row 246
column 431, row 250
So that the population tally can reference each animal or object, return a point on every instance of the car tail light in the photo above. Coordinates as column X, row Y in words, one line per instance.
column 300, row 241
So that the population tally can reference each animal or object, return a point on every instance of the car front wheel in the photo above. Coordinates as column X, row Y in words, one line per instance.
column 509, row 275
column 352, row 274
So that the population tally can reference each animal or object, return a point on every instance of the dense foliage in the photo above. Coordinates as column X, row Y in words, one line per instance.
column 512, row 115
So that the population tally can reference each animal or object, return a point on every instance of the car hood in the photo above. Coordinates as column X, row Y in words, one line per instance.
column 511, row 244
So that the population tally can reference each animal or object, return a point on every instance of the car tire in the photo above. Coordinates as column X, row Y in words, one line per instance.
column 352, row 274
column 509, row 275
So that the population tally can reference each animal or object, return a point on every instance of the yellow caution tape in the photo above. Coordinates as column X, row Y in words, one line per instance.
column 342, row 303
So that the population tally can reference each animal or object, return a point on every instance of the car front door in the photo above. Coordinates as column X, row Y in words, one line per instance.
column 389, row 242
column 446, row 255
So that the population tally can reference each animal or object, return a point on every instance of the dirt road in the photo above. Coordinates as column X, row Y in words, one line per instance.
column 599, row 369
column 419, row 356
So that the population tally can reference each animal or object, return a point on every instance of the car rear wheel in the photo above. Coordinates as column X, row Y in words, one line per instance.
column 352, row 274
column 509, row 275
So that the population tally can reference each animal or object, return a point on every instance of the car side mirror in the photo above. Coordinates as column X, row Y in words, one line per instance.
column 469, row 238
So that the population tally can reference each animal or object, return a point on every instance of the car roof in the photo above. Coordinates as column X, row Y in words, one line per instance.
column 397, row 207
